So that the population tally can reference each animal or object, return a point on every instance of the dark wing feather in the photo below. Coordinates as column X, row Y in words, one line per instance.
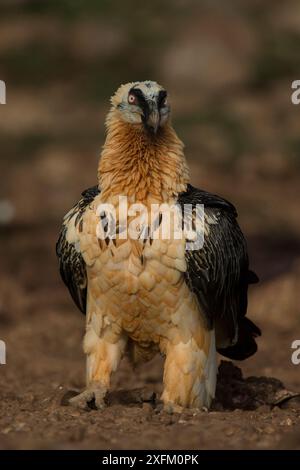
column 71, row 264
column 218, row 273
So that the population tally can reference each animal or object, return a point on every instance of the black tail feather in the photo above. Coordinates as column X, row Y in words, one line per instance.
column 246, row 345
column 252, row 278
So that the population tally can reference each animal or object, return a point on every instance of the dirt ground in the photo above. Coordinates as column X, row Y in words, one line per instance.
column 229, row 70
column 45, row 366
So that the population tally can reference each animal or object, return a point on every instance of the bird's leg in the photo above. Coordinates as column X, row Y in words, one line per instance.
column 104, row 354
column 190, row 373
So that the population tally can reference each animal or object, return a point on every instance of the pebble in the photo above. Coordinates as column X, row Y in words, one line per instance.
column 229, row 432
column 269, row 430
column 6, row 430
column 286, row 422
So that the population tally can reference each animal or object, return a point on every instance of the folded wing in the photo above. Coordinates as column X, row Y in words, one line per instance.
column 71, row 264
column 219, row 275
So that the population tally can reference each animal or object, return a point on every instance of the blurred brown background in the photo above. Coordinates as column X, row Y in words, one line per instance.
column 228, row 67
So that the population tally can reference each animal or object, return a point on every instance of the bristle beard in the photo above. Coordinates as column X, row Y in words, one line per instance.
column 141, row 165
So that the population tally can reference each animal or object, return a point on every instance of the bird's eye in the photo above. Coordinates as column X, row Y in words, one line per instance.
column 132, row 99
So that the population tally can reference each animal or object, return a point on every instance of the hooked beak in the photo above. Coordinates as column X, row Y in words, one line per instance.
column 153, row 120
column 151, row 117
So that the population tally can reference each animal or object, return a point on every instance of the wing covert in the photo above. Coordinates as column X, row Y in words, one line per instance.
column 218, row 273
column 71, row 263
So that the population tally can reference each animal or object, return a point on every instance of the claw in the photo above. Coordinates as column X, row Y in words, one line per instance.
column 84, row 399
column 172, row 408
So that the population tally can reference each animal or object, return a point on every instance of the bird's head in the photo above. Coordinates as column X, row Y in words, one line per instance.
column 142, row 103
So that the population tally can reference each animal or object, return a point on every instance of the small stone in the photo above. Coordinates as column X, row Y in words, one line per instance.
column 229, row 432
column 286, row 422
column 6, row 430
column 19, row 426
column 269, row 430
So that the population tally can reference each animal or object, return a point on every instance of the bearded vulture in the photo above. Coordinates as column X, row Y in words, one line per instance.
column 145, row 291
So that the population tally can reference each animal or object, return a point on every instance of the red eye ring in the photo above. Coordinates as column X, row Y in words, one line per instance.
column 132, row 99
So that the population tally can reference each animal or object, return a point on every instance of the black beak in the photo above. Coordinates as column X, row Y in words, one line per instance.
column 153, row 119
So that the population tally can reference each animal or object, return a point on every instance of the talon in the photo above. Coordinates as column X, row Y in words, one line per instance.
column 84, row 398
column 172, row 408
column 99, row 399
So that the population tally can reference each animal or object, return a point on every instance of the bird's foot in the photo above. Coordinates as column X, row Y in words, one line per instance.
column 172, row 408
column 92, row 397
